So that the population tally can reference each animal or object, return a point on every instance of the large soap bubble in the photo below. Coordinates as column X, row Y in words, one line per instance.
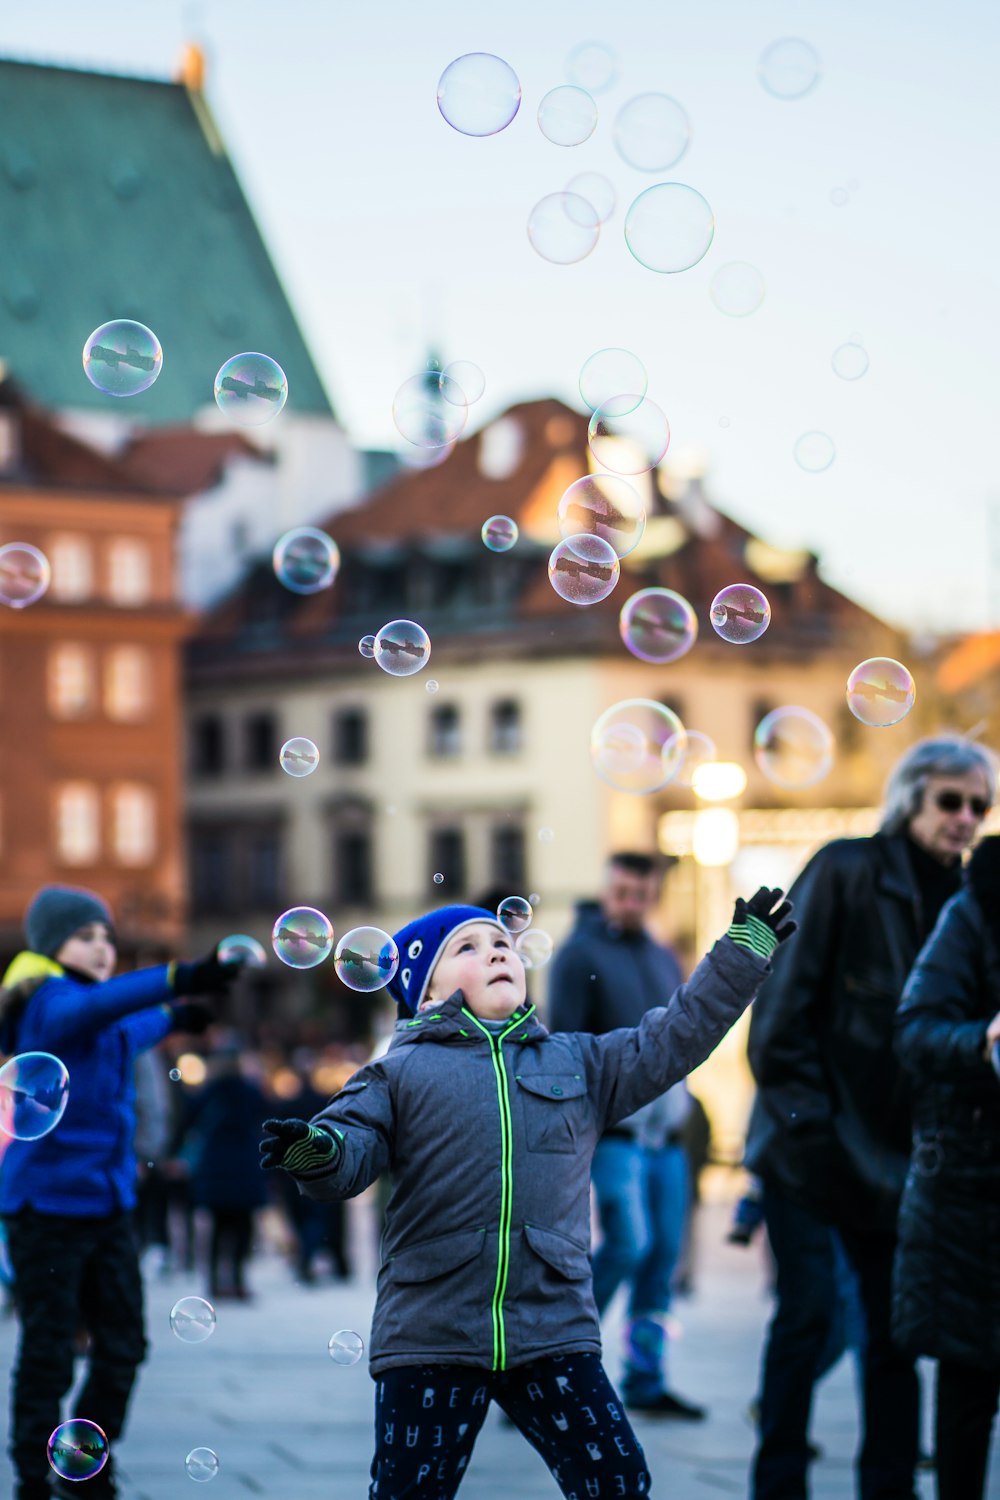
column 251, row 389
column 122, row 358
column 638, row 745
column 612, row 373
column 793, row 747
column 603, row 505
column 25, row 574
column 789, row 68
column 563, row 228
column 651, row 132
column 658, row 625
column 240, row 947
column 478, row 94
column 592, row 66
column 880, row 691
column 34, row 1092
column 305, row 560
column 534, row 948
column 814, row 451
column 567, row 115
column 740, row 613
column 430, row 409
column 302, row 937
column 514, row 913
column 78, row 1449
column 192, row 1320
column 669, row 227
column 584, row 569
column 628, row 436
column 365, row 959
column 402, row 647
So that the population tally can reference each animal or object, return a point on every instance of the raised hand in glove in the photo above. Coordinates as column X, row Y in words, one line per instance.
column 206, row 976
column 295, row 1146
column 191, row 1016
column 760, row 924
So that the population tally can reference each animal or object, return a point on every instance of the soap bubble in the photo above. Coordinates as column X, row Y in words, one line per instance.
column 78, row 1449
column 546, row 835
column 432, row 685
column 515, row 914
column 499, row 533
column 366, row 646
column 584, row 569
column 880, row 691
column 202, row 1464
column 737, row 289
column 669, row 227
column 438, row 879
column 603, row 505
column 478, row 94
column 463, row 379
column 174, row 1075
column 740, row 613
column 597, row 190
column 788, row 68
column 563, row 228
column 793, row 747
column 850, row 361
column 651, row 132
column 122, row 358
column 592, row 66
column 658, row 625
column 305, row 560
column 298, row 757
column 628, row 437
column 567, row 115
column 345, row 1347
column 839, row 197
column 250, row 389
column 192, row 1320
column 814, row 452
column 638, row 745
column 430, row 409
column 302, row 937
column 611, row 374
column 534, row 898
column 238, row 947
column 24, row 574
column 365, row 959
column 34, row 1092
column 701, row 751
column 402, row 647
column 534, row 948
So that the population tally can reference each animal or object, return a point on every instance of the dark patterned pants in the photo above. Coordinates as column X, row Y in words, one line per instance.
column 427, row 1419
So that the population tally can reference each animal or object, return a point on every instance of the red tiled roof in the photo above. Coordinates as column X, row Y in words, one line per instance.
column 182, row 460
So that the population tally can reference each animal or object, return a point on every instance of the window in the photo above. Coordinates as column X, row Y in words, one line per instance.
column 78, row 823
column 71, row 680
column 447, row 857
column 210, row 869
column 129, row 571
column 353, row 867
column 264, row 868
column 505, row 726
column 350, row 737
column 208, row 746
column 507, row 862
column 72, row 568
column 260, row 742
column 445, row 737
column 127, row 683
column 133, row 824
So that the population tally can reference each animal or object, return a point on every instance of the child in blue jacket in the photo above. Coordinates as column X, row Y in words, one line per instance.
column 486, row 1125
column 67, row 1197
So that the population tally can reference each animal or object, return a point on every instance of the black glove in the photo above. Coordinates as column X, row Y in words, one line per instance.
column 757, row 927
column 206, row 976
column 295, row 1146
column 191, row 1016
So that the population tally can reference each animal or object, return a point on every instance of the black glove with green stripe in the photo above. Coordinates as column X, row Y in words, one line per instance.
column 295, row 1146
column 760, row 924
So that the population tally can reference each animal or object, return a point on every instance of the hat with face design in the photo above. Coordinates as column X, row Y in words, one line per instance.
column 421, row 943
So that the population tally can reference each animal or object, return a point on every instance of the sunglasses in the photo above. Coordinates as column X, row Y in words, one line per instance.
column 953, row 802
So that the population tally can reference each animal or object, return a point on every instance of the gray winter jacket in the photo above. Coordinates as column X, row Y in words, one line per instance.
column 488, row 1141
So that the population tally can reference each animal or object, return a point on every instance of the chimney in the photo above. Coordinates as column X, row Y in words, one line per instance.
column 191, row 69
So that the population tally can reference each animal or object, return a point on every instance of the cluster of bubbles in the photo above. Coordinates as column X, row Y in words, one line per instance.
column 34, row 1093
column 533, row 946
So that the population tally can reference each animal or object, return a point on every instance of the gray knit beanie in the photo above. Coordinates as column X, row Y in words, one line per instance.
column 56, row 912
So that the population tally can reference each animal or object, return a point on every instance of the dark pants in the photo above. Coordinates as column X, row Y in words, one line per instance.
column 966, row 1406
column 427, row 1419
column 229, row 1250
column 69, row 1271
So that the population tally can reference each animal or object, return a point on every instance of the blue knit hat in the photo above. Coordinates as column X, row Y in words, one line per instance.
column 420, row 945
column 56, row 912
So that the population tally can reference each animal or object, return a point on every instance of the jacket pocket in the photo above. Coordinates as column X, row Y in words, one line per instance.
column 436, row 1257
column 564, row 1255
column 553, row 1110
column 434, row 1298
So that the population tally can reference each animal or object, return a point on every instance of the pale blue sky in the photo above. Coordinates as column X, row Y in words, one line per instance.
column 392, row 231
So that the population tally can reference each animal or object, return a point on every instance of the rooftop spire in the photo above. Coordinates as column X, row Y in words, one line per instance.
column 191, row 68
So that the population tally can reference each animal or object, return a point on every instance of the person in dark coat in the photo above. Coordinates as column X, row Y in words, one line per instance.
column 946, row 1291
column 830, row 1132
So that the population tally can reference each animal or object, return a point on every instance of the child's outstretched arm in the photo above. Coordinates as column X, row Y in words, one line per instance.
column 628, row 1068
column 344, row 1148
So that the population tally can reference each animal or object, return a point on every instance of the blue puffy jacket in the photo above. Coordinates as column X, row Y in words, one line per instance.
column 86, row 1164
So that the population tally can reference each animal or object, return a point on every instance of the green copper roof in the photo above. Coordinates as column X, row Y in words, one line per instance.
column 117, row 200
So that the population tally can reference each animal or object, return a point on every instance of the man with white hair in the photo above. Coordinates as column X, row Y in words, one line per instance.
column 830, row 1132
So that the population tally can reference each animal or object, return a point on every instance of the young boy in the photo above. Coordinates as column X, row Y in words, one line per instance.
column 486, row 1124
column 66, row 1198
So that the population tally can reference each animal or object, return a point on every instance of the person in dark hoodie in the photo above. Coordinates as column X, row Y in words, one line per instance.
column 67, row 1197
column 608, row 973
column 486, row 1125
column 946, row 1289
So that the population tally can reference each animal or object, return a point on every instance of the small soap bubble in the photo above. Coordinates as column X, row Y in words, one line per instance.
column 628, row 437
column 174, row 1075
column 302, row 937
column 534, row 898
column 438, row 879
column 701, row 751
column 238, row 947
column 592, row 66
column 432, row 685
column 366, row 646
column 658, row 625
column 737, row 289
column 597, row 190
column 430, row 409
column 839, row 197
column 789, row 68
column 402, row 647
column 563, row 228
column 814, row 452
column 638, row 745
column 850, row 361
column 202, row 1464
column 669, row 227
column 298, row 757
column 514, row 913
column 880, row 691
column 122, row 358
column 25, row 574
column 534, row 948
column 651, row 132
column 584, row 569
column 612, row 374
column 34, row 1092
column 546, row 835
column 499, row 533
column 78, row 1449
column 740, row 613
column 567, row 115
column 465, row 379
column 478, row 94
column 250, row 389
column 793, row 747
column 345, row 1347
column 305, row 560
column 365, row 959
column 603, row 505
column 192, row 1320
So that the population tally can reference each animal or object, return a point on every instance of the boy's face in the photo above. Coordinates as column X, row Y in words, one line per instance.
column 480, row 961
column 91, row 951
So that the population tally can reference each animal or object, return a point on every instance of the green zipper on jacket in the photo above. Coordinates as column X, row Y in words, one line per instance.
column 496, row 1041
